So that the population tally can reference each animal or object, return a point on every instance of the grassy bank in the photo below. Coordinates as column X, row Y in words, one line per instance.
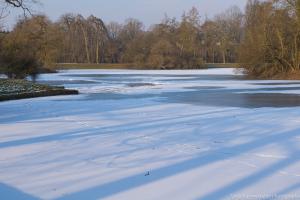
column 131, row 66
column 221, row 65
column 93, row 66
column 21, row 89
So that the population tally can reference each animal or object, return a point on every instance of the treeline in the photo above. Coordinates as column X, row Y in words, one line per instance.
column 172, row 44
column 264, row 40
column 187, row 43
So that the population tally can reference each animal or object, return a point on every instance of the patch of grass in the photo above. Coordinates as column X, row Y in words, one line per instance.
column 93, row 66
column 132, row 66
column 20, row 89
column 222, row 65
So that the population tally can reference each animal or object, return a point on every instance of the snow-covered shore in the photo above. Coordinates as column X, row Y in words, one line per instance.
column 116, row 141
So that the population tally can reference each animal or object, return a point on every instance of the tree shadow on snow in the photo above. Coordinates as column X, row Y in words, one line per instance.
column 139, row 180
column 8, row 192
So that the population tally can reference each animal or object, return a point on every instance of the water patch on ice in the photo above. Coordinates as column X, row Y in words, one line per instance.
column 140, row 84
column 278, row 83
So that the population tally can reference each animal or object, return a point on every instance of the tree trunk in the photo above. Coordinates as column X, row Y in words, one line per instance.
column 86, row 43
column 97, row 52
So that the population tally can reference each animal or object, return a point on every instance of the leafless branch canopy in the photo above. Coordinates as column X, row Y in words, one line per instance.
column 23, row 4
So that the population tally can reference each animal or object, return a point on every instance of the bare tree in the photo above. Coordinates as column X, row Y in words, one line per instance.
column 115, row 43
column 271, row 45
column 229, row 29
column 100, row 36
column 25, row 5
column 85, row 40
column 3, row 14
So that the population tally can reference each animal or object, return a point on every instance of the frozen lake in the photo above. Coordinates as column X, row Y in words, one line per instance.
column 133, row 134
column 209, row 87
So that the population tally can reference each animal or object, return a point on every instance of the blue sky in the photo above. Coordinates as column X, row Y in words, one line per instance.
column 148, row 11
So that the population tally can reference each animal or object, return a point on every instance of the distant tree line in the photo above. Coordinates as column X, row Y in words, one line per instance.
column 187, row 43
column 264, row 39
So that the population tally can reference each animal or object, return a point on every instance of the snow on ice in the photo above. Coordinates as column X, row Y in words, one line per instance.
column 177, row 135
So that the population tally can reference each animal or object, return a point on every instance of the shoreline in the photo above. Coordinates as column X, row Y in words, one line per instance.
column 66, row 66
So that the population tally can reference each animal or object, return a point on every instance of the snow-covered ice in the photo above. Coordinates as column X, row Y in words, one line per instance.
column 153, row 135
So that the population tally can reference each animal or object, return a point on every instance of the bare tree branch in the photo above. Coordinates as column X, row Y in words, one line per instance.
column 22, row 4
